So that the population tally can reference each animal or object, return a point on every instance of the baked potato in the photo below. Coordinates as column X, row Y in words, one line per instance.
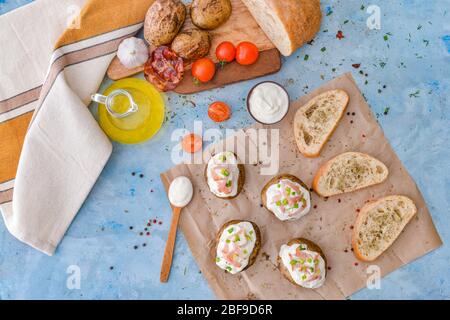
column 307, row 263
column 163, row 21
column 224, row 176
column 237, row 246
column 210, row 14
column 287, row 197
column 192, row 44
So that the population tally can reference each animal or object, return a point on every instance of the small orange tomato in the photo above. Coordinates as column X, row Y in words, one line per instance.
column 192, row 143
column 247, row 53
column 219, row 111
column 203, row 70
column 226, row 52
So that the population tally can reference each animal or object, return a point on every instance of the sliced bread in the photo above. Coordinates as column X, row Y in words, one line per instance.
column 289, row 24
column 348, row 172
column 379, row 224
column 315, row 122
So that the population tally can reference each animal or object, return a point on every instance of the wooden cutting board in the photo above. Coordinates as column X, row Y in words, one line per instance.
column 240, row 27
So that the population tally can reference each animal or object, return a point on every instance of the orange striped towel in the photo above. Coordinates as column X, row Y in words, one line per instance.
column 51, row 148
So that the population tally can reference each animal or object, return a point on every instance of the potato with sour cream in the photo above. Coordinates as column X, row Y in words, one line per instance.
column 224, row 175
column 303, row 263
column 237, row 246
column 287, row 197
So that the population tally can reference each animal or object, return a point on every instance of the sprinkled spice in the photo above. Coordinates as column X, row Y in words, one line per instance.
column 351, row 227
column 148, row 233
column 141, row 233
column 353, row 113
column 144, row 244
column 358, row 210
column 356, row 65
column 136, row 247
column 141, row 176
column 351, row 121
column 329, row 268
column 160, row 222
column 155, row 221
column 111, row 268
column 356, row 264
column 345, row 250
column 339, row 200
column 340, row 35
column 133, row 174
column 315, row 206
column 131, row 227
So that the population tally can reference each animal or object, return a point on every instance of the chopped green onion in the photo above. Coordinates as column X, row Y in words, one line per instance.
column 296, row 206
column 228, row 184
column 230, row 230
column 225, row 172
column 217, row 259
column 278, row 203
column 228, row 241
column 285, row 202
column 293, row 262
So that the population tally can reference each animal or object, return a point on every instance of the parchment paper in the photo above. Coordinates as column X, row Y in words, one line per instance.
column 329, row 224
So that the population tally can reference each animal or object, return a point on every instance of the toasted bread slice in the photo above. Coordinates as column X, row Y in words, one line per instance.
column 315, row 122
column 311, row 246
column 257, row 247
column 348, row 172
column 379, row 224
column 241, row 180
column 275, row 180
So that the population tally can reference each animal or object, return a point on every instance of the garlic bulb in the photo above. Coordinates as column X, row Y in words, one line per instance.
column 133, row 53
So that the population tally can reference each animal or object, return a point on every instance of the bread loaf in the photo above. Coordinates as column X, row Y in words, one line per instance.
column 288, row 23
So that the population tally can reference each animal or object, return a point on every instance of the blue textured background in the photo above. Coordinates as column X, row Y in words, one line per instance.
column 405, row 71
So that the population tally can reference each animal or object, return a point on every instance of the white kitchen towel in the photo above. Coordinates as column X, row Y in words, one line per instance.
column 44, row 91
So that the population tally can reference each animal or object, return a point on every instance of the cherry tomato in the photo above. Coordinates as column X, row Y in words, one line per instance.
column 247, row 53
column 226, row 52
column 203, row 70
column 219, row 111
column 192, row 143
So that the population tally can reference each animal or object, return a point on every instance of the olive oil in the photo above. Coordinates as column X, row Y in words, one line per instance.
column 138, row 126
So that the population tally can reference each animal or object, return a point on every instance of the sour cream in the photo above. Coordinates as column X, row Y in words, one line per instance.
column 235, row 247
column 222, row 174
column 306, row 267
column 181, row 192
column 268, row 103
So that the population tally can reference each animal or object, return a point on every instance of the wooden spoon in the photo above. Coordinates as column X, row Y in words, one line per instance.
column 180, row 195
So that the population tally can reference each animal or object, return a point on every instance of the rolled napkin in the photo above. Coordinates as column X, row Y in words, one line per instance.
column 43, row 114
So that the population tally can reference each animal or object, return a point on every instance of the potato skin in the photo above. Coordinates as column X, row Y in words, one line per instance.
column 275, row 180
column 163, row 21
column 255, row 252
column 241, row 180
column 210, row 14
column 311, row 246
column 192, row 44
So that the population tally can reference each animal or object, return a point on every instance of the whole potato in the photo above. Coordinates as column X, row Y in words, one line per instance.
column 192, row 44
column 210, row 14
column 163, row 21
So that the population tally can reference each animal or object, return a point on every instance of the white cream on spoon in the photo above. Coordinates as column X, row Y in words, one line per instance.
column 181, row 192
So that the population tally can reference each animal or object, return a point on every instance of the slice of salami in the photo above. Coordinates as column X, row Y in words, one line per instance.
column 164, row 69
